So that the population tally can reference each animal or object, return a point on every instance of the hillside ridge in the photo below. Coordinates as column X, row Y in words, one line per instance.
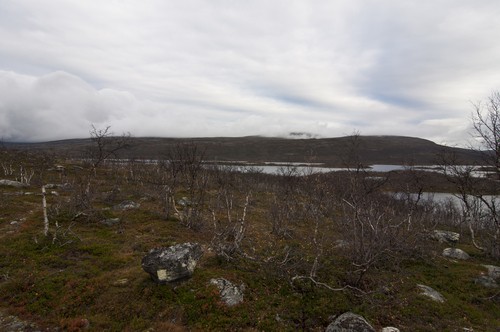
column 335, row 151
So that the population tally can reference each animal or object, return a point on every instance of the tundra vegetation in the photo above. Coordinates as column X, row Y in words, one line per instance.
column 307, row 247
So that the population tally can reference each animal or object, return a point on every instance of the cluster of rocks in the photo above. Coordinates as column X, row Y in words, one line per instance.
column 174, row 263
column 488, row 280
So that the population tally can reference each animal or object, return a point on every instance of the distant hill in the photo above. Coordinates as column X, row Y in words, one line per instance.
column 331, row 151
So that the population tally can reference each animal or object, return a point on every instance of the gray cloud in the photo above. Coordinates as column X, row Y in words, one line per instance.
column 225, row 68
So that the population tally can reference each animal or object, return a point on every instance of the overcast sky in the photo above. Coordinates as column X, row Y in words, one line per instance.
column 191, row 68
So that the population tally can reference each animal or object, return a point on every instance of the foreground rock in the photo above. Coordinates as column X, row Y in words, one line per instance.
column 230, row 294
column 15, row 184
column 172, row 263
column 431, row 293
column 390, row 329
column 349, row 322
column 10, row 323
column 455, row 253
column 445, row 236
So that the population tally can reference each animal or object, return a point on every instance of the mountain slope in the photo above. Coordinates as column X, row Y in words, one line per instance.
column 331, row 151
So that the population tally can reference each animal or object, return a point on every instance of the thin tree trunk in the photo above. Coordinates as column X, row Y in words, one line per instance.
column 45, row 218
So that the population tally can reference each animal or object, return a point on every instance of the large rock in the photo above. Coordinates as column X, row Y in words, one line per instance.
column 445, row 236
column 172, row 263
column 390, row 329
column 230, row 294
column 431, row 293
column 11, row 183
column 455, row 253
column 349, row 322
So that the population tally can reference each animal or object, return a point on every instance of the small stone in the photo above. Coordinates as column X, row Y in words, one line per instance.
column 486, row 281
column 390, row 329
column 184, row 201
column 127, row 205
column 349, row 322
column 110, row 221
column 430, row 292
column 230, row 293
column 121, row 282
column 455, row 253
column 493, row 271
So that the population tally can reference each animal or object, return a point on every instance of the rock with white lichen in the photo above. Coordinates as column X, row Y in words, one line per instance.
column 230, row 294
column 445, row 236
column 431, row 293
column 455, row 253
column 169, row 264
column 349, row 322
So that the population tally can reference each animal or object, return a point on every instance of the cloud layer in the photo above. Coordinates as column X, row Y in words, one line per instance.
column 226, row 68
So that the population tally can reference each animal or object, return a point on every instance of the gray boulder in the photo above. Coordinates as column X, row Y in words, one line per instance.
column 486, row 281
column 110, row 221
column 431, row 293
column 390, row 329
column 455, row 253
column 230, row 294
column 127, row 205
column 170, row 264
column 349, row 322
column 58, row 186
column 445, row 236
column 493, row 271
column 11, row 183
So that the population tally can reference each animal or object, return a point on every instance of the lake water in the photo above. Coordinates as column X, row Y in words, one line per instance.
column 444, row 198
column 312, row 168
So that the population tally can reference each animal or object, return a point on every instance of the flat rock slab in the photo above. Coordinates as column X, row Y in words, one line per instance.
column 169, row 264
column 349, row 322
column 230, row 294
column 431, row 293
column 455, row 253
column 11, row 183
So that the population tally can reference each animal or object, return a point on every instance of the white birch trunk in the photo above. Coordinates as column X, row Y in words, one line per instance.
column 45, row 218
